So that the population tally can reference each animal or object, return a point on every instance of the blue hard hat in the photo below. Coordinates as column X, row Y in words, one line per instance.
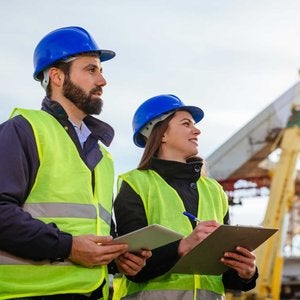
column 63, row 43
column 155, row 108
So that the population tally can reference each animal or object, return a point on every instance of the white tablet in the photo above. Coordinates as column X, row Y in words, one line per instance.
column 149, row 237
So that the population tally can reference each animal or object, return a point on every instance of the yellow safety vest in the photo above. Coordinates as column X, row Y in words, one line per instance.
column 62, row 193
column 163, row 206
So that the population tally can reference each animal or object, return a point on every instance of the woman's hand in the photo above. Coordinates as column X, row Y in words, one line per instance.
column 243, row 261
column 201, row 231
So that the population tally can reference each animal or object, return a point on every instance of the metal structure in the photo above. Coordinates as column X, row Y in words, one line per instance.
column 282, row 196
column 240, row 157
column 243, row 157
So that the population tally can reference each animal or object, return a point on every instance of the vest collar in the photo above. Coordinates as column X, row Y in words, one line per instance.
column 99, row 129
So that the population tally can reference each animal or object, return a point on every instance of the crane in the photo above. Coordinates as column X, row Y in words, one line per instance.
column 282, row 191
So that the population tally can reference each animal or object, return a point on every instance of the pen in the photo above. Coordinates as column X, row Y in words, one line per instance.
column 192, row 217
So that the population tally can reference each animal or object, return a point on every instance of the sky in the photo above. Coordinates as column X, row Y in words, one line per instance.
column 232, row 58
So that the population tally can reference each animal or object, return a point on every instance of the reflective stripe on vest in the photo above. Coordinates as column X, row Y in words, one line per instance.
column 66, row 210
column 62, row 194
column 175, row 295
column 160, row 202
column 9, row 259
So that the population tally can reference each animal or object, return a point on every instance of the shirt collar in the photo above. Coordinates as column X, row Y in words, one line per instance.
column 82, row 132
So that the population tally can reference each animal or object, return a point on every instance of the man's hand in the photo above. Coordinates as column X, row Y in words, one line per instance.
column 201, row 231
column 243, row 262
column 132, row 263
column 92, row 250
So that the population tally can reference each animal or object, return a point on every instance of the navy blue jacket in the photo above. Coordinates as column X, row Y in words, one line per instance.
column 20, row 234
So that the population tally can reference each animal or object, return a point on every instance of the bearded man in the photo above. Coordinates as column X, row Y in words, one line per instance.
column 56, row 181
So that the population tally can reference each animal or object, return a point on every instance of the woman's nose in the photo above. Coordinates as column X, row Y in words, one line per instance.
column 197, row 131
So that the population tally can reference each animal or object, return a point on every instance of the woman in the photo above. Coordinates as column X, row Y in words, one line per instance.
column 167, row 182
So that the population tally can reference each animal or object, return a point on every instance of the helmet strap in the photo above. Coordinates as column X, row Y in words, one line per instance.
column 45, row 80
column 69, row 59
column 147, row 129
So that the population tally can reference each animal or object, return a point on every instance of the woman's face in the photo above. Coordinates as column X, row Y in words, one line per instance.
column 180, row 141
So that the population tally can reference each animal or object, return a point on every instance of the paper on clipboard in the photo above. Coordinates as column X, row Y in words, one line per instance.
column 205, row 258
column 149, row 237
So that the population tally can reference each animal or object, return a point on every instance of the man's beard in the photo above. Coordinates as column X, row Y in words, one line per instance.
column 81, row 99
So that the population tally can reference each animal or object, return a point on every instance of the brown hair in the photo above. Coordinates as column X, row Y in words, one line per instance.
column 153, row 142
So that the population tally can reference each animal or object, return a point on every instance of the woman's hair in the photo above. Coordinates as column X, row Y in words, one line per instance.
column 153, row 142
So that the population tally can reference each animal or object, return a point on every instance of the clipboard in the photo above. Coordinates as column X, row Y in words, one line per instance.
column 149, row 237
column 205, row 258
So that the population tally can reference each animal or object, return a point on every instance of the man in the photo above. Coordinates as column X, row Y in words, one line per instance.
column 56, row 182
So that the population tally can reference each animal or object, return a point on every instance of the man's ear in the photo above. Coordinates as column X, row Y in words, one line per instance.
column 56, row 76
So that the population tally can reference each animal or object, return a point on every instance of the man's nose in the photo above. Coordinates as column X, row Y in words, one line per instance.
column 101, row 80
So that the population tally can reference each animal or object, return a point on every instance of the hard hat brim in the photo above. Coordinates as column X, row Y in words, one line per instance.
column 196, row 112
column 106, row 55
